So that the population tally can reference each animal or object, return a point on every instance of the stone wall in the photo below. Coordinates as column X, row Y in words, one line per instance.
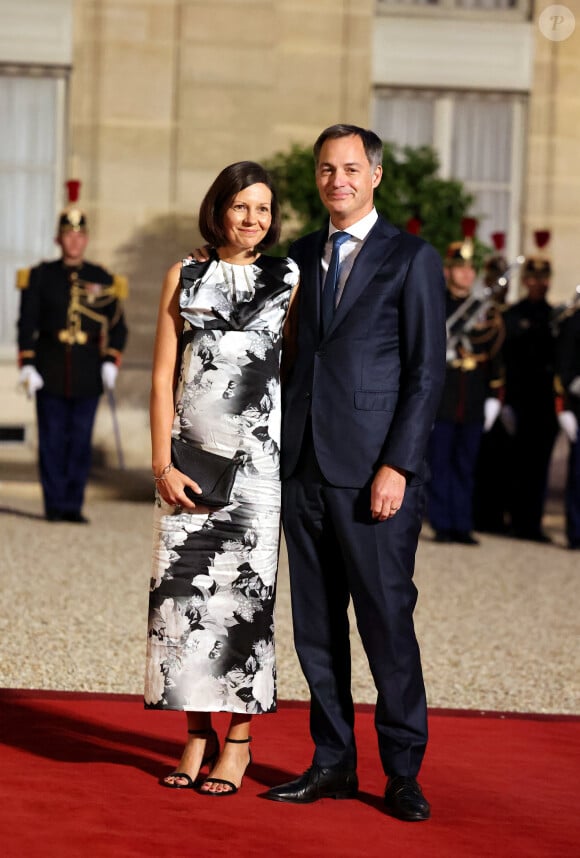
column 553, row 166
column 165, row 93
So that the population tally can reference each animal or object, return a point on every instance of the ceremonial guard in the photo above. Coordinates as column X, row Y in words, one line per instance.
column 529, row 412
column 470, row 403
column 71, row 333
column 489, row 496
column 568, row 386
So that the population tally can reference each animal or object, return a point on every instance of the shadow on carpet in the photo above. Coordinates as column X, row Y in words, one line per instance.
column 80, row 772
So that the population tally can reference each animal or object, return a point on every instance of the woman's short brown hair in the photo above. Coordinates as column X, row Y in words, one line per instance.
column 230, row 182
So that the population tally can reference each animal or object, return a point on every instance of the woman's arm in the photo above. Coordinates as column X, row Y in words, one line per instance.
column 162, row 403
column 161, row 406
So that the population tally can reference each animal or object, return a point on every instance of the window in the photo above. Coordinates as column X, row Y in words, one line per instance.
column 521, row 8
column 32, row 111
column 479, row 140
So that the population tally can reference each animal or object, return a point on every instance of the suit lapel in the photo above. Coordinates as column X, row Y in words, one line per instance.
column 379, row 245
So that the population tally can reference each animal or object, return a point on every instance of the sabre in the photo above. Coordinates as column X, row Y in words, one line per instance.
column 116, row 432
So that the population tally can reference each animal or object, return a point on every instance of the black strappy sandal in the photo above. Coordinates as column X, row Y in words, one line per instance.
column 232, row 787
column 209, row 761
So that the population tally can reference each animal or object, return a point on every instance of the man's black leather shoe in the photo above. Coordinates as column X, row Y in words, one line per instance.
column 74, row 517
column 404, row 800
column 533, row 536
column 316, row 783
column 464, row 537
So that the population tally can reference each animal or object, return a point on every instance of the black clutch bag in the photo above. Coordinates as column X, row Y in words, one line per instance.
column 214, row 474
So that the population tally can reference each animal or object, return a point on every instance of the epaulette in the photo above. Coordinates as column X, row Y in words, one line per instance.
column 559, row 388
column 22, row 278
column 120, row 287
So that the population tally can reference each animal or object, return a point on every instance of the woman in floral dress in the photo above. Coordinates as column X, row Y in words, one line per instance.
column 216, row 378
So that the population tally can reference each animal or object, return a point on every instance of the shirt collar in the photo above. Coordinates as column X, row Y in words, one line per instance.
column 360, row 229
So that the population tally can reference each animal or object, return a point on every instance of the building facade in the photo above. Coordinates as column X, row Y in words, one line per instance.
column 145, row 101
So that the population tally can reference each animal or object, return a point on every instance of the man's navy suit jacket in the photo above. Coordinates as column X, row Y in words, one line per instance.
column 373, row 382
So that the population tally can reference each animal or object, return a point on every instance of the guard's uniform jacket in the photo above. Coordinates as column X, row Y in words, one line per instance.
column 530, row 355
column 71, row 320
column 568, row 363
column 568, row 366
column 476, row 373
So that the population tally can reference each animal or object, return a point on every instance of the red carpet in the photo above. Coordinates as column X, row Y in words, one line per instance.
column 79, row 778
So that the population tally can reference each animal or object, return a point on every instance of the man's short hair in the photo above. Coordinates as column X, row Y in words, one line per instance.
column 373, row 145
column 226, row 185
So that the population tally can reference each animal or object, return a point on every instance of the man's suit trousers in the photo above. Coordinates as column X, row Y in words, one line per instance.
column 336, row 551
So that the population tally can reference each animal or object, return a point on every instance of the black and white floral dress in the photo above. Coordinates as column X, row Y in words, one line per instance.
column 211, row 638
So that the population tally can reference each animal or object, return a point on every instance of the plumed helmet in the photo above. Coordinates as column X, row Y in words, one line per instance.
column 72, row 218
column 496, row 264
column 461, row 252
column 538, row 264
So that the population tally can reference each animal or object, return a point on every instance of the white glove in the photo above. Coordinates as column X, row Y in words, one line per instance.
column 31, row 380
column 574, row 386
column 509, row 419
column 569, row 425
column 109, row 372
column 491, row 409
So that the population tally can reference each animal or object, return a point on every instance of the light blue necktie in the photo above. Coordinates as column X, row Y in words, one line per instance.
column 331, row 281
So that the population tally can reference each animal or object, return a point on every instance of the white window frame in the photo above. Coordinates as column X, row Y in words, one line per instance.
column 444, row 101
column 39, row 246
column 450, row 9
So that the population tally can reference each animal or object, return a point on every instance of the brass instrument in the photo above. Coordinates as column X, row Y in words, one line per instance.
column 470, row 312
column 503, row 280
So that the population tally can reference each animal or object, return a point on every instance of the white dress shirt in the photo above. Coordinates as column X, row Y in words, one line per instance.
column 348, row 251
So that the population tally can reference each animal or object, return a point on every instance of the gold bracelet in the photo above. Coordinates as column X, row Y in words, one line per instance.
column 163, row 473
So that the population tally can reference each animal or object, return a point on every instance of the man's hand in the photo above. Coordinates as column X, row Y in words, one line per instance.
column 200, row 254
column 387, row 492
column 491, row 409
column 109, row 372
column 30, row 380
column 569, row 425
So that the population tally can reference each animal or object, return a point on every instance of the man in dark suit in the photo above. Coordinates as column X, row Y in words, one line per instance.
column 359, row 405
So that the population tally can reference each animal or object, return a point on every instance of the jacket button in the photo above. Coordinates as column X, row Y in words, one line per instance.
column 306, row 396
